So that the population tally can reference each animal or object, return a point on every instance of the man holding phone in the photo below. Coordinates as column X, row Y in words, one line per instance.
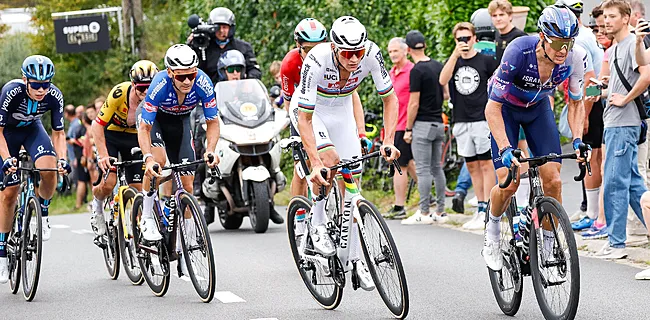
column 467, row 73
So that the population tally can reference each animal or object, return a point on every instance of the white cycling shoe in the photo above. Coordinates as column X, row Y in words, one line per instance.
column 364, row 276
column 4, row 270
column 321, row 240
column 492, row 254
column 98, row 223
column 47, row 231
column 149, row 230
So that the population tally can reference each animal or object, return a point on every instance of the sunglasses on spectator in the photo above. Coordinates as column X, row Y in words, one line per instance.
column 558, row 45
column 233, row 69
column 142, row 87
column 595, row 30
column 348, row 54
column 463, row 39
column 182, row 77
column 39, row 85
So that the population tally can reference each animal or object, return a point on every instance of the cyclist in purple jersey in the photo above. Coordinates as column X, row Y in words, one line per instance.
column 530, row 70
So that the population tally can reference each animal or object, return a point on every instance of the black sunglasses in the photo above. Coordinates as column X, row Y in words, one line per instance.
column 39, row 85
column 463, row 39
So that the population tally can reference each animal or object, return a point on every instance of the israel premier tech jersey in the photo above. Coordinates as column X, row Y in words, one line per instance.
column 161, row 97
column 516, row 81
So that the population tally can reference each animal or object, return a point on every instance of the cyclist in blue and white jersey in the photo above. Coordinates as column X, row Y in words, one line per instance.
column 23, row 103
column 531, row 68
column 164, row 124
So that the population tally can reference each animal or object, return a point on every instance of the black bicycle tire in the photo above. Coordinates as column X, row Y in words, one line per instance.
column 158, row 290
column 329, row 303
column 509, row 308
column 574, row 296
column 29, row 290
column 14, row 273
column 112, row 244
column 127, row 255
column 188, row 199
column 399, row 312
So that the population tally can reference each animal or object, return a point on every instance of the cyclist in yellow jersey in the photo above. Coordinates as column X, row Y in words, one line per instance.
column 115, row 134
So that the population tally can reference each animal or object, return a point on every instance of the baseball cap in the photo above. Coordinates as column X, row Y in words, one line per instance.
column 415, row 39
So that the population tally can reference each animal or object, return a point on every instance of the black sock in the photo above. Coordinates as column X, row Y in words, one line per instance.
column 45, row 205
column 3, row 244
column 398, row 208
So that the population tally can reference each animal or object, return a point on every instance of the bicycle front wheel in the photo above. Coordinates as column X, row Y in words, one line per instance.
column 31, row 248
column 125, row 238
column 322, row 287
column 383, row 260
column 554, row 262
column 507, row 282
column 13, row 254
column 197, row 247
column 111, row 251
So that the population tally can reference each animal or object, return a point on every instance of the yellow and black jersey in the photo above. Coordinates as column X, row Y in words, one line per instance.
column 114, row 113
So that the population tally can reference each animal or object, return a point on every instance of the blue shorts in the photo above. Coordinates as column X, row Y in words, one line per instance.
column 35, row 140
column 538, row 123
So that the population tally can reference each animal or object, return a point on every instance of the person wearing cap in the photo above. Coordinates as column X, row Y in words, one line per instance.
column 425, row 130
column 224, row 40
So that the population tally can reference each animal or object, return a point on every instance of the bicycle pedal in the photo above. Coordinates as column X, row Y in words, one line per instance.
column 99, row 243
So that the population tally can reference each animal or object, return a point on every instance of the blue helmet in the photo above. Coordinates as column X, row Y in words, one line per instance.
column 558, row 22
column 38, row 68
column 310, row 30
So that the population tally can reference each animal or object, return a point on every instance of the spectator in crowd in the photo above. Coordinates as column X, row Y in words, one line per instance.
column 274, row 69
column 638, row 12
column 71, row 117
column 501, row 12
column 399, row 75
column 467, row 73
column 623, row 184
column 425, row 130
column 75, row 123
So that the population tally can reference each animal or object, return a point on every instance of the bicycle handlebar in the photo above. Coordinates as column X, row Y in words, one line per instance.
column 64, row 186
column 114, row 163
column 214, row 172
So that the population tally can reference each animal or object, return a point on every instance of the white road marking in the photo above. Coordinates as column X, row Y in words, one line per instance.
column 265, row 319
column 59, row 226
column 82, row 231
column 227, row 297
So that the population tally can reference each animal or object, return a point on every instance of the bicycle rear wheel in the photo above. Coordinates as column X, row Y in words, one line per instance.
column 322, row 288
column 383, row 260
column 32, row 248
column 554, row 264
column 125, row 238
column 197, row 247
column 13, row 254
column 152, row 257
column 507, row 282
column 111, row 251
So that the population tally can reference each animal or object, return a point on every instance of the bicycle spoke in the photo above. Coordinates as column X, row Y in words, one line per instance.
column 382, row 259
column 556, row 293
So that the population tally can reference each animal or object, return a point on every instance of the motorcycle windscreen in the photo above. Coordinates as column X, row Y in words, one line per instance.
column 243, row 102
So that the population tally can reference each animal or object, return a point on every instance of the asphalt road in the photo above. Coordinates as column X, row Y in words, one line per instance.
column 257, row 279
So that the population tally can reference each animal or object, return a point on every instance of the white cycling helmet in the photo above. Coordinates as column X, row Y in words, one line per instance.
column 181, row 56
column 348, row 33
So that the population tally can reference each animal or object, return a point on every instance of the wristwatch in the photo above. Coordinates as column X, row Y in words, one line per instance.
column 502, row 150
column 408, row 130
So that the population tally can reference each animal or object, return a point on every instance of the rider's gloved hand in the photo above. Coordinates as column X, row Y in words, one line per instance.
column 576, row 143
column 65, row 166
column 582, row 149
column 211, row 159
column 9, row 164
column 365, row 142
column 507, row 157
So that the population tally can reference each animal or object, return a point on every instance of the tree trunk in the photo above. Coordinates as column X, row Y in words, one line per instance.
column 132, row 9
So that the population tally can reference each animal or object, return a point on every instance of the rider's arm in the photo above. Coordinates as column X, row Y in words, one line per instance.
column 103, row 119
column 359, row 117
column 5, row 99
column 4, row 150
column 576, row 115
column 210, row 111
column 306, row 95
column 495, row 122
column 56, row 113
column 384, row 87
column 289, row 74
column 148, row 116
column 391, row 109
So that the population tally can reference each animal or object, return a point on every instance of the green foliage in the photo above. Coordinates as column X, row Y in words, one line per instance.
column 13, row 50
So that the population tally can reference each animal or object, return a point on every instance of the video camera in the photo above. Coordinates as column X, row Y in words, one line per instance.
column 202, row 33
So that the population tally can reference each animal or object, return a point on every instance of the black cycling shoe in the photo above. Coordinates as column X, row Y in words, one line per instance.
column 209, row 214
column 276, row 217
column 458, row 203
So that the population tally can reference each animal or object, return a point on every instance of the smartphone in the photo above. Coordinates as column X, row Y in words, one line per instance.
column 593, row 91
column 647, row 29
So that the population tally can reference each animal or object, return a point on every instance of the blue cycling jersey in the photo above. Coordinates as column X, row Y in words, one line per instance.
column 162, row 97
column 18, row 110
column 517, row 83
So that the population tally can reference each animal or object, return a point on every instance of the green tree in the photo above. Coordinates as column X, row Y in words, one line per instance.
column 13, row 50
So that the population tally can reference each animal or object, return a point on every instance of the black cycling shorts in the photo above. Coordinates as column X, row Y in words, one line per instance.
column 120, row 144
column 175, row 135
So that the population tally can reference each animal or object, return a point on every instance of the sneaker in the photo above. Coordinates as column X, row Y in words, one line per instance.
column 395, row 214
column 458, row 203
column 4, row 270
column 149, row 230
column 610, row 253
column 595, row 233
column 365, row 279
column 584, row 223
column 473, row 202
column 47, row 231
column 322, row 241
column 98, row 223
column 418, row 218
column 643, row 275
column 440, row 218
column 476, row 223
column 492, row 254
column 576, row 216
column 276, row 217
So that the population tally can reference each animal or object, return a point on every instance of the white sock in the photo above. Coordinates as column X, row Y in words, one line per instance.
column 147, row 206
column 355, row 243
column 318, row 217
column 493, row 228
column 592, row 203
column 549, row 242
column 98, row 206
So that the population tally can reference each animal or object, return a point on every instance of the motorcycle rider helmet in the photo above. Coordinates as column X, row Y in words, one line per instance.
column 223, row 15
column 38, row 68
column 309, row 30
column 348, row 34
column 483, row 26
column 274, row 91
column 559, row 22
column 143, row 71
column 181, row 56
column 228, row 59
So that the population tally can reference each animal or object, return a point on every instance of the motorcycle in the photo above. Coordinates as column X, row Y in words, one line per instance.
column 250, row 156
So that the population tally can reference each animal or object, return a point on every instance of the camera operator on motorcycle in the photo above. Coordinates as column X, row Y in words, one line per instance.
column 221, row 41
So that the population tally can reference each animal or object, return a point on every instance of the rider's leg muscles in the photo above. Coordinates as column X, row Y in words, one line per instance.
column 329, row 157
column 298, row 185
column 8, row 199
column 48, row 182
column 160, row 156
